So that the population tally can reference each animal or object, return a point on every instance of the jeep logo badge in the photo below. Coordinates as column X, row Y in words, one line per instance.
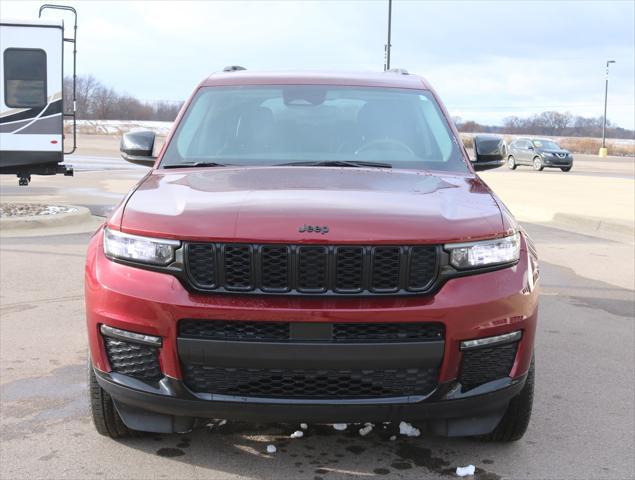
column 314, row 229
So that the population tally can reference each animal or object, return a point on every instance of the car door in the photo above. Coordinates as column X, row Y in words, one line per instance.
column 526, row 152
column 515, row 149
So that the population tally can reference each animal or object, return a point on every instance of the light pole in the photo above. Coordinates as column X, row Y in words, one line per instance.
column 603, row 151
column 387, row 46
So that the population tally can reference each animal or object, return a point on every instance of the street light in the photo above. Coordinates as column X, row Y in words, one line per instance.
column 387, row 46
column 603, row 151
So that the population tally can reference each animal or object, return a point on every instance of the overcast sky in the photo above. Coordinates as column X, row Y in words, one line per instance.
column 487, row 60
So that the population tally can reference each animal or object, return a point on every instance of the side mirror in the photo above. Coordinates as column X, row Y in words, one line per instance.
column 136, row 147
column 489, row 152
column 530, row 148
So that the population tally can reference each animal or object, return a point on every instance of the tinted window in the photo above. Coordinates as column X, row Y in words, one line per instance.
column 272, row 125
column 547, row 144
column 24, row 78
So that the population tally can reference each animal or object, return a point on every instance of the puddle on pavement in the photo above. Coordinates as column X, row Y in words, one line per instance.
column 31, row 405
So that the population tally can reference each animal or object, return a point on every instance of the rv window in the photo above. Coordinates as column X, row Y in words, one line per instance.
column 24, row 78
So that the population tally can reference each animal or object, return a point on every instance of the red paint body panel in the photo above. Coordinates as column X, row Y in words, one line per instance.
column 269, row 204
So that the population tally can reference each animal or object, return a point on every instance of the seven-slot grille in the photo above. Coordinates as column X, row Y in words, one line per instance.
column 311, row 269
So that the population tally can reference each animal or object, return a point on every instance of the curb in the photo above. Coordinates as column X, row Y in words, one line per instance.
column 29, row 222
column 595, row 224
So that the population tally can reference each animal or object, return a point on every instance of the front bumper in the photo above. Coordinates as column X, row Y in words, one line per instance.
column 169, row 406
column 557, row 162
column 153, row 303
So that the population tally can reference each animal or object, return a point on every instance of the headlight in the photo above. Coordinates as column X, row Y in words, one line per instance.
column 485, row 253
column 154, row 251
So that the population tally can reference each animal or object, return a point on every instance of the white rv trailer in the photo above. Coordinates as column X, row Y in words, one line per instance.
column 31, row 97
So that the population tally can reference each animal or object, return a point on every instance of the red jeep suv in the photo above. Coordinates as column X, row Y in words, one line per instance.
column 316, row 248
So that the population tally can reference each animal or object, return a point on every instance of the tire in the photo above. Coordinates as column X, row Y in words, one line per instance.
column 514, row 423
column 511, row 163
column 102, row 409
column 565, row 169
column 538, row 166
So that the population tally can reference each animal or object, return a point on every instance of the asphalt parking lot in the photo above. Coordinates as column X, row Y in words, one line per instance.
column 584, row 410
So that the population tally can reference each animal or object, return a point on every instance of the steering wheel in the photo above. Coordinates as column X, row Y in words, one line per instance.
column 387, row 143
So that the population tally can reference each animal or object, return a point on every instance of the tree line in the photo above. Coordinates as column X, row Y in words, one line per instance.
column 96, row 101
column 556, row 124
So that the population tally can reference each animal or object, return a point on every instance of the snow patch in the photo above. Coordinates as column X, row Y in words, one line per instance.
column 465, row 471
column 406, row 429
column 297, row 434
column 340, row 426
column 271, row 449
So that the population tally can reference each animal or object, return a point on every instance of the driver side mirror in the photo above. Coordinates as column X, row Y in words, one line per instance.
column 137, row 147
column 530, row 148
column 489, row 151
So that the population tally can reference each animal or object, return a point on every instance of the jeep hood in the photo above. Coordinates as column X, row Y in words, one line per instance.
column 270, row 204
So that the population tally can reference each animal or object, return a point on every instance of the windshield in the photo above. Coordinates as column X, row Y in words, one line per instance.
column 546, row 145
column 276, row 125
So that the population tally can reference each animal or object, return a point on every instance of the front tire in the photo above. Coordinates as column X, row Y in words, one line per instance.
column 514, row 423
column 103, row 412
column 511, row 163
column 538, row 166
column 565, row 169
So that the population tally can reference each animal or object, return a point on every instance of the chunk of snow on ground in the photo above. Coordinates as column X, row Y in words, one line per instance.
column 393, row 438
column 271, row 449
column 465, row 471
column 304, row 426
column 365, row 430
column 340, row 426
column 297, row 434
column 222, row 422
column 406, row 429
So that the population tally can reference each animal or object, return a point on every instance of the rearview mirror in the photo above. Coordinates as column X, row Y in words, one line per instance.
column 137, row 147
column 489, row 152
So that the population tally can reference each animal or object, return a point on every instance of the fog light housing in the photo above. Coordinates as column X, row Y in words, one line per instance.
column 491, row 341
column 130, row 336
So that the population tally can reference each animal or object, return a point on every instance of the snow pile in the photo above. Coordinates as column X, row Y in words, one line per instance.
column 304, row 426
column 29, row 209
column 117, row 127
column 366, row 429
column 340, row 426
column 406, row 429
column 271, row 449
column 297, row 434
column 465, row 471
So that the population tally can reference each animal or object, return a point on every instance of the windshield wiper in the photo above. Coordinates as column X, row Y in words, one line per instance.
column 194, row 164
column 337, row 163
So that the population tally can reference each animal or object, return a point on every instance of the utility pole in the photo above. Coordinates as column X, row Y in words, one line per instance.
column 603, row 151
column 387, row 46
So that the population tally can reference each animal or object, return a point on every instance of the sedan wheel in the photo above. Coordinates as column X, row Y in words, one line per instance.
column 538, row 164
column 511, row 163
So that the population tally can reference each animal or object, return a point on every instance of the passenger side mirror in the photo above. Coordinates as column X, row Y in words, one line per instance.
column 137, row 147
column 489, row 152
column 530, row 148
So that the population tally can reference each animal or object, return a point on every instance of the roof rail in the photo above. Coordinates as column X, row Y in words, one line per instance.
column 400, row 71
column 233, row 68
